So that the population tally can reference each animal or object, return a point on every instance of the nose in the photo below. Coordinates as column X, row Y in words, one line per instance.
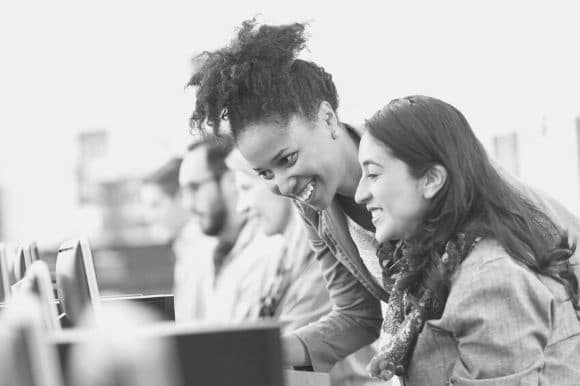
column 362, row 194
column 188, row 201
column 286, row 184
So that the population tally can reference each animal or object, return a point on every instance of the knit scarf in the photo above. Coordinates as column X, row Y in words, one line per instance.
column 407, row 309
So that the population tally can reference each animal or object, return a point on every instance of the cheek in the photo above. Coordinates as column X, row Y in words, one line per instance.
column 206, row 200
column 398, row 196
column 314, row 162
column 256, row 199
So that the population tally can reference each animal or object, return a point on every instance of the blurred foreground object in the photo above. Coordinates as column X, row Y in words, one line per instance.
column 25, row 357
column 119, row 356
column 37, row 282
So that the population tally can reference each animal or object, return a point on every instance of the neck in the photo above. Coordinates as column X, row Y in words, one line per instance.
column 288, row 227
column 232, row 228
column 351, row 170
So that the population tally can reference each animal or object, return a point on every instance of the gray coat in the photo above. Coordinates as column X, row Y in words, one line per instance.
column 502, row 325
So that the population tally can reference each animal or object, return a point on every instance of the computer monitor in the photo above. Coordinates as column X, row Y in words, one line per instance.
column 20, row 263
column 19, row 267
column 37, row 281
column 248, row 355
column 31, row 252
column 26, row 358
column 4, row 275
column 76, row 281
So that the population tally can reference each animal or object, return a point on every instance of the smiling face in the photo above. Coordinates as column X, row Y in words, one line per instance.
column 299, row 160
column 255, row 198
column 394, row 197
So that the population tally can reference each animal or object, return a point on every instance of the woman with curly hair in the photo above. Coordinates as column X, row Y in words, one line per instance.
column 281, row 111
column 482, row 289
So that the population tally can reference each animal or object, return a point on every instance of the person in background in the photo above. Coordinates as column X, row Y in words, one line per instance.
column 171, row 223
column 234, row 261
column 297, row 294
column 164, row 210
column 482, row 287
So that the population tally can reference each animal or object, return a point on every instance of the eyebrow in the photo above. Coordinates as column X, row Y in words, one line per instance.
column 274, row 158
column 369, row 162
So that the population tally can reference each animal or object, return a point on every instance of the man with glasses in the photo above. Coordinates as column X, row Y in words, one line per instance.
column 230, row 269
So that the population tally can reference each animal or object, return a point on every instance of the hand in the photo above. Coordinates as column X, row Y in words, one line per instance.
column 380, row 368
column 293, row 351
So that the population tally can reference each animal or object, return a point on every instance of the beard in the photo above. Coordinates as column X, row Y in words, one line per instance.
column 214, row 221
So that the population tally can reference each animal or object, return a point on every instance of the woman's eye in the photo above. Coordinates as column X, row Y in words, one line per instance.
column 290, row 159
column 372, row 176
column 266, row 174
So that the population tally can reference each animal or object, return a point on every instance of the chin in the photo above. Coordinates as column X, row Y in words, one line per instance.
column 272, row 228
column 211, row 229
column 268, row 231
column 383, row 236
column 320, row 204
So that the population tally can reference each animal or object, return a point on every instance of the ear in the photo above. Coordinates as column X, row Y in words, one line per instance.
column 433, row 181
column 327, row 115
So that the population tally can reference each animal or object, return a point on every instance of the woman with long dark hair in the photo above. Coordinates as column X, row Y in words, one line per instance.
column 482, row 284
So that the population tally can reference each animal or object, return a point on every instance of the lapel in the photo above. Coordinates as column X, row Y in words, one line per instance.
column 333, row 218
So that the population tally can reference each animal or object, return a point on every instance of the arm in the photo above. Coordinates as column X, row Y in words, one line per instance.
column 354, row 321
column 306, row 300
column 500, row 315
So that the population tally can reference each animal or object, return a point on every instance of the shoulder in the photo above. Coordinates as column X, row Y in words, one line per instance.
column 488, row 271
column 490, row 257
column 487, row 258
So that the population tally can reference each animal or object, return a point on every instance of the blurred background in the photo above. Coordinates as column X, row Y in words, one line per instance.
column 92, row 99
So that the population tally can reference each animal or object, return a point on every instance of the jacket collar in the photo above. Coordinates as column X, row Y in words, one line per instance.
column 346, row 251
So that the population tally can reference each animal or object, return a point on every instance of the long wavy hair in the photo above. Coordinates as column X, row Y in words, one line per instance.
column 256, row 78
column 423, row 132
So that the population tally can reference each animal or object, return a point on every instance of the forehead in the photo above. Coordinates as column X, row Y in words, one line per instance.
column 372, row 150
column 261, row 142
column 194, row 166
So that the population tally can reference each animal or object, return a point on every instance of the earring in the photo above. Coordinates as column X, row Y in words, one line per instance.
column 333, row 134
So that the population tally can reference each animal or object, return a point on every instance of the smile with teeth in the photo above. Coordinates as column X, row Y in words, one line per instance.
column 376, row 214
column 306, row 193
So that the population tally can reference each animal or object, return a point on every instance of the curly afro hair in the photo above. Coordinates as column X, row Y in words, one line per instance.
column 257, row 77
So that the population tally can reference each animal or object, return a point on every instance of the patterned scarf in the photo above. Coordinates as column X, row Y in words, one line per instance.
column 408, row 309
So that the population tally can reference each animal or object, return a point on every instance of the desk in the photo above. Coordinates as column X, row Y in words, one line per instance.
column 306, row 378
